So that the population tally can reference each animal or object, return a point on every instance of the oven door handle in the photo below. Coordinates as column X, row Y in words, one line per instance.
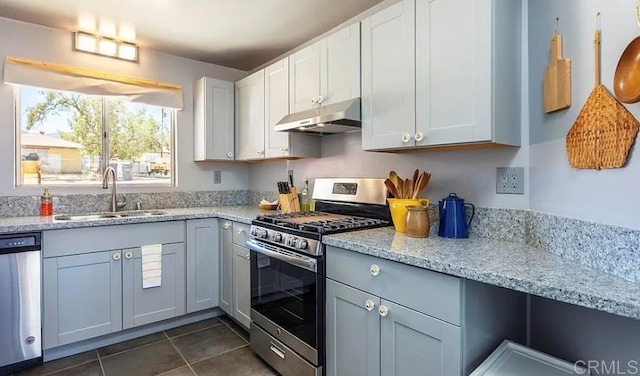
column 303, row 262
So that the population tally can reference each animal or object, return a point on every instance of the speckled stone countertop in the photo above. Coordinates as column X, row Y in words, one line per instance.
column 242, row 213
column 501, row 263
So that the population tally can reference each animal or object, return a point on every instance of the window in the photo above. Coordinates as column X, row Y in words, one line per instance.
column 67, row 138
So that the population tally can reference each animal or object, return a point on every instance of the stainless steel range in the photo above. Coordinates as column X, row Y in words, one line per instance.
column 287, row 271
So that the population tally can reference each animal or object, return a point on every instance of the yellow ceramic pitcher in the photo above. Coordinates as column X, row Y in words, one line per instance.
column 398, row 207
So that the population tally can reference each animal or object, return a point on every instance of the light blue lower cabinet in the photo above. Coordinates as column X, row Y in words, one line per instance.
column 370, row 336
column 413, row 343
column 143, row 306
column 202, row 264
column 82, row 297
column 242, row 285
column 352, row 331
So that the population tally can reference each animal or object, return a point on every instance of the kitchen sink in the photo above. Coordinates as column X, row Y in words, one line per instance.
column 96, row 216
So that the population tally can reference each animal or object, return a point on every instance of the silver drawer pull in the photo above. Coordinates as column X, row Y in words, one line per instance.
column 116, row 256
column 368, row 305
column 375, row 270
column 276, row 351
column 383, row 310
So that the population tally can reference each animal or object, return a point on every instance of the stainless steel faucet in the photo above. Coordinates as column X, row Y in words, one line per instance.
column 115, row 205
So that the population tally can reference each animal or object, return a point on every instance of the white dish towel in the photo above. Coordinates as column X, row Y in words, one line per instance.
column 151, row 265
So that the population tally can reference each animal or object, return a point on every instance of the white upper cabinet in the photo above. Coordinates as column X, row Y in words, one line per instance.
column 213, row 106
column 304, row 78
column 328, row 71
column 467, row 75
column 340, row 65
column 250, row 117
column 276, row 106
column 470, row 93
column 388, row 78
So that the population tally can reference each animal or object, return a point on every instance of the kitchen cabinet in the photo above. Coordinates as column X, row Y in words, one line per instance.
column 93, row 285
column 388, row 77
column 387, row 318
column 213, row 122
column 202, row 264
column 283, row 144
column 328, row 69
column 429, row 74
column 250, row 131
column 235, row 277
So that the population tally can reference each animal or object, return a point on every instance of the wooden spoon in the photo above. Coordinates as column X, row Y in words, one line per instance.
column 392, row 188
column 423, row 180
column 626, row 81
column 418, row 186
column 400, row 188
column 414, row 180
column 408, row 188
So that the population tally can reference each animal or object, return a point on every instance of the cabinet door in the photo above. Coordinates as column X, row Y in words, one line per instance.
column 388, row 78
column 226, row 268
column 413, row 343
column 453, row 70
column 276, row 106
column 82, row 297
column 242, row 285
column 203, row 248
column 352, row 331
column 250, row 117
column 213, row 106
column 143, row 306
column 340, row 65
column 304, row 78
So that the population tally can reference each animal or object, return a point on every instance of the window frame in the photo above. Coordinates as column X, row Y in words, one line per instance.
column 173, row 118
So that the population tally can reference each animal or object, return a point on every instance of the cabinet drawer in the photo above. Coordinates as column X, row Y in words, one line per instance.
column 240, row 233
column 431, row 293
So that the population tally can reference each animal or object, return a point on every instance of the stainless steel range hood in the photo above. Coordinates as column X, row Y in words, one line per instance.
column 334, row 118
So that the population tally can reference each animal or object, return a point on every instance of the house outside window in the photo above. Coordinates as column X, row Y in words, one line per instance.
column 69, row 139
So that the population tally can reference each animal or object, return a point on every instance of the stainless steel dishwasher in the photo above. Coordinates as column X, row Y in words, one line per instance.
column 20, row 321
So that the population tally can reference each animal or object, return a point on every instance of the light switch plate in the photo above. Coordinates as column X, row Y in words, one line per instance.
column 510, row 180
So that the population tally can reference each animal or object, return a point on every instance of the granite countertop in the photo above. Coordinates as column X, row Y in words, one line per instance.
column 242, row 213
column 506, row 264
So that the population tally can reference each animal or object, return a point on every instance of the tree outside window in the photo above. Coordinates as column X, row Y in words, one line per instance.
column 64, row 136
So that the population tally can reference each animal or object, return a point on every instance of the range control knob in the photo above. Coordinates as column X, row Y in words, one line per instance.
column 254, row 231
column 277, row 238
column 303, row 244
column 290, row 241
column 264, row 234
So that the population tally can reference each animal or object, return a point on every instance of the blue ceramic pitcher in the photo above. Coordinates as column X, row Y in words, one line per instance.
column 453, row 217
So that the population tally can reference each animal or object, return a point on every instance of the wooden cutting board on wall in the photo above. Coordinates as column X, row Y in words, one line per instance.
column 557, row 78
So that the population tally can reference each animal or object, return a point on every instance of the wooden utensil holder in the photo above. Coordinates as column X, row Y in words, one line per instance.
column 289, row 202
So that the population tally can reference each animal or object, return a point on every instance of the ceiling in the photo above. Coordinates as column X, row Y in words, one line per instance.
column 242, row 34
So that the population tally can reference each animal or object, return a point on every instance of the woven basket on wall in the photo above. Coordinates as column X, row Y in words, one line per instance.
column 604, row 131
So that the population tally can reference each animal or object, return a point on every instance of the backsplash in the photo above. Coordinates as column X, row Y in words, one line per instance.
column 18, row 206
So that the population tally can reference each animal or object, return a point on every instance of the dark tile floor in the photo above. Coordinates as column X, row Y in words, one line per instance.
column 213, row 347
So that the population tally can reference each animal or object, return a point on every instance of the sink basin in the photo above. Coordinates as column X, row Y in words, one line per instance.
column 93, row 217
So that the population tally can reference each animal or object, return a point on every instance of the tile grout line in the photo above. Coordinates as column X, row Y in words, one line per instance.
column 101, row 366
column 195, row 331
column 131, row 349
column 234, row 331
column 67, row 368
column 222, row 353
column 179, row 353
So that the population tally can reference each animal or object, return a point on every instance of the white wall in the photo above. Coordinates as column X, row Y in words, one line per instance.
column 607, row 196
column 41, row 43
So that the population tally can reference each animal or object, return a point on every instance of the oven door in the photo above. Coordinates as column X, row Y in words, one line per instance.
column 287, row 298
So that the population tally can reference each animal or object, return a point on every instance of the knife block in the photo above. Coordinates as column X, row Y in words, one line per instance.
column 289, row 202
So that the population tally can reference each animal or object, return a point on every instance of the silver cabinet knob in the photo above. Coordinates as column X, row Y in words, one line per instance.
column 321, row 99
column 239, row 231
column 314, row 100
column 375, row 270
column 419, row 136
column 368, row 305
column 116, row 256
column 248, row 256
column 128, row 255
column 406, row 137
column 229, row 155
column 260, row 153
column 226, row 226
column 383, row 310
column 284, row 150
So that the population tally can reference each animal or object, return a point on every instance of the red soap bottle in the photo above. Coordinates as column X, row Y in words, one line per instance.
column 46, row 203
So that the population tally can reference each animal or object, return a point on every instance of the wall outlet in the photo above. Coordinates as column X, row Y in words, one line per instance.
column 217, row 177
column 510, row 180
